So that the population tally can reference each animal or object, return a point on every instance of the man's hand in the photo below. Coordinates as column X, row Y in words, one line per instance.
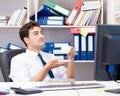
column 71, row 53
column 55, row 63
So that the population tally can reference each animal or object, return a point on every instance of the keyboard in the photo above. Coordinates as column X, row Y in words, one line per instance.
column 70, row 86
column 117, row 90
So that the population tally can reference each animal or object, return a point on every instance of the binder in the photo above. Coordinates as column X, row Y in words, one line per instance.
column 52, row 17
column 57, row 8
column 73, row 14
column 76, row 44
column 61, row 48
column 13, row 46
column 43, row 10
column 61, row 56
column 56, row 48
column 90, row 30
column 50, row 22
column 90, row 52
column 3, row 49
column 83, row 48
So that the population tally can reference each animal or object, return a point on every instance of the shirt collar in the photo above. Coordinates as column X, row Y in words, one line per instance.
column 32, row 53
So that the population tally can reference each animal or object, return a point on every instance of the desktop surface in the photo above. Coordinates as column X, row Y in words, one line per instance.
column 73, row 92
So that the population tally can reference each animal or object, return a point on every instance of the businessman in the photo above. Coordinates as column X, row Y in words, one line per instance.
column 36, row 65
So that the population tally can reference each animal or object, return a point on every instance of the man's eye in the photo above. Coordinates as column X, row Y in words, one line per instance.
column 35, row 33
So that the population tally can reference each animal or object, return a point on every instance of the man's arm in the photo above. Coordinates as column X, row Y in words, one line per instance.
column 71, row 66
column 50, row 65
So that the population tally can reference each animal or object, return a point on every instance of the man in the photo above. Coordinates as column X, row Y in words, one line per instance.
column 28, row 66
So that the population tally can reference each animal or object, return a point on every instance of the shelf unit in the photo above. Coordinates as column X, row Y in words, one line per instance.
column 10, row 33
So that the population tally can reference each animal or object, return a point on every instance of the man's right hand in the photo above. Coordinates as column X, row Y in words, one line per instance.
column 55, row 63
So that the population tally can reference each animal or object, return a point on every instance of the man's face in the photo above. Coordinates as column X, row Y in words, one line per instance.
column 36, row 38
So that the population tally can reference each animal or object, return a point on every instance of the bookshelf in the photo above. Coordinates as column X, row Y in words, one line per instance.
column 52, row 33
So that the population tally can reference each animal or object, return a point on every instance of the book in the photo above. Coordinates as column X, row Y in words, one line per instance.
column 22, row 16
column 75, row 10
column 57, row 8
column 79, row 18
column 4, row 17
column 88, row 5
column 14, row 17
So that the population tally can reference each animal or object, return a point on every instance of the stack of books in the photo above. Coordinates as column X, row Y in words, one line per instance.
column 84, row 13
column 4, row 20
column 18, row 17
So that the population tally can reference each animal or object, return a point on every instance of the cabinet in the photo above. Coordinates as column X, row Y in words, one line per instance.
column 52, row 33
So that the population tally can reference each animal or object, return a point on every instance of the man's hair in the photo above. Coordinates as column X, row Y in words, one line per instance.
column 24, row 30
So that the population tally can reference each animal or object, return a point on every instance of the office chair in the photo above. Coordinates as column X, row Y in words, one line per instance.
column 5, row 59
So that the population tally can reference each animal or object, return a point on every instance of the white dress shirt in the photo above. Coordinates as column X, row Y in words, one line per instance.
column 26, row 65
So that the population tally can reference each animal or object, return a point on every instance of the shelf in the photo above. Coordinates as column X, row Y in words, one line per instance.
column 67, row 26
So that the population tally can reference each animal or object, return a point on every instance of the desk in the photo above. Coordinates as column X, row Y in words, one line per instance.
column 78, row 92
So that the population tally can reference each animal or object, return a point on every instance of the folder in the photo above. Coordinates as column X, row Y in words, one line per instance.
column 52, row 18
column 61, row 48
column 49, row 22
column 57, row 8
column 83, row 48
column 56, row 47
column 90, row 52
column 3, row 49
column 76, row 43
column 90, row 30
column 73, row 14
column 13, row 46
column 43, row 10
column 61, row 56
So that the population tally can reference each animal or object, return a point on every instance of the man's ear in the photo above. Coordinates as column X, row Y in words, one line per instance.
column 26, row 40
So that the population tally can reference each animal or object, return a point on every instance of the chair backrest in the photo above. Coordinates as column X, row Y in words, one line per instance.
column 5, row 59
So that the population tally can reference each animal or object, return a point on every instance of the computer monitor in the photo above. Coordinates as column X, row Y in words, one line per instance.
column 107, row 52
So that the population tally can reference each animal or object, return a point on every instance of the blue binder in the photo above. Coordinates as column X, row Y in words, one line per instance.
column 11, row 46
column 49, row 22
column 44, row 10
column 90, row 47
column 83, row 48
column 77, row 40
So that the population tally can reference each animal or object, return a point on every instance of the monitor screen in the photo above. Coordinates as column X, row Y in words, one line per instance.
column 107, row 52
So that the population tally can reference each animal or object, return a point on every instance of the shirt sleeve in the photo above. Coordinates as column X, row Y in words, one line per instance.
column 18, row 70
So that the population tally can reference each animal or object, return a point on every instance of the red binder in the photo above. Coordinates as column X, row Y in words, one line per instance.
column 76, row 8
column 91, row 30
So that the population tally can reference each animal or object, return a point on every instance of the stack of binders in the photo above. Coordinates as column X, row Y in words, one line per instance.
column 84, row 45
column 51, row 20
column 59, row 49
column 51, row 13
